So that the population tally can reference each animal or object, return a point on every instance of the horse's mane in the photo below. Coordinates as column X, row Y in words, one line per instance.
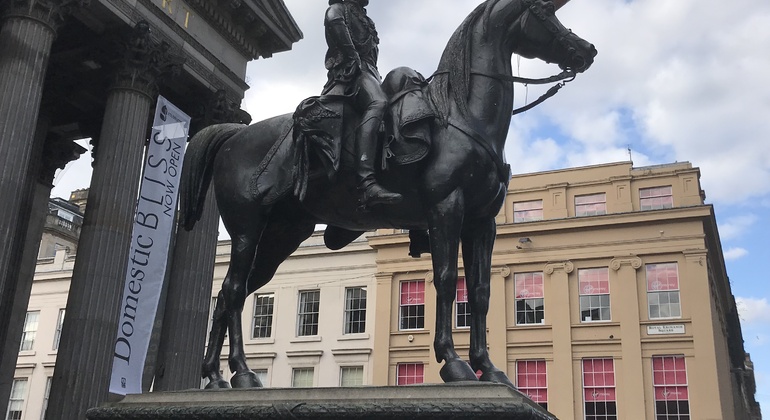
column 453, row 75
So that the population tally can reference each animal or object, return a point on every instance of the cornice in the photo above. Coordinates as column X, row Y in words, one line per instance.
column 132, row 13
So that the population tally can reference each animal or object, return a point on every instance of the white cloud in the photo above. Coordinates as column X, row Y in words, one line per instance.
column 753, row 310
column 736, row 226
column 733, row 254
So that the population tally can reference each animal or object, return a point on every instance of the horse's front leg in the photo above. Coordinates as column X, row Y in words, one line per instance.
column 210, row 368
column 234, row 292
column 445, row 221
column 478, row 239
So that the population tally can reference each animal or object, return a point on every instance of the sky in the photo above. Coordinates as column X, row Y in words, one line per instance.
column 674, row 81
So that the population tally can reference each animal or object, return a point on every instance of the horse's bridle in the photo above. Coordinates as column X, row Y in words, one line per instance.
column 560, row 34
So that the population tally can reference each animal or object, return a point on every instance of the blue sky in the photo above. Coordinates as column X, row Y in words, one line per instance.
column 674, row 81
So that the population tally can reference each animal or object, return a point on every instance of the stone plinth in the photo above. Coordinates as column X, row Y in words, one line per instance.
column 470, row 400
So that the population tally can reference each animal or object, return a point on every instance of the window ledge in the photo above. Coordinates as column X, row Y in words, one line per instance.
column 353, row 337
column 261, row 341
column 589, row 324
column 26, row 353
column 407, row 332
column 530, row 326
column 306, row 339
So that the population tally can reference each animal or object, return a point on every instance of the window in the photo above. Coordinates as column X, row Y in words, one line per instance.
column 462, row 307
column 531, row 379
column 46, row 397
column 262, row 376
column 263, row 316
column 30, row 330
column 669, row 377
column 528, row 211
column 599, row 390
column 412, row 305
column 409, row 373
column 351, row 376
column 656, row 198
column 307, row 314
column 355, row 310
column 16, row 402
column 594, row 289
column 530, row 307
column 57, row 334
column 663, row 291
column 591, row 205
column 302, row 377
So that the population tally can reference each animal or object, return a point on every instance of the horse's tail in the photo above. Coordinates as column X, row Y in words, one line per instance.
column 198, row 170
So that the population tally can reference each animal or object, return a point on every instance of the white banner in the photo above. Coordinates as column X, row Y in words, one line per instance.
column 150, row 240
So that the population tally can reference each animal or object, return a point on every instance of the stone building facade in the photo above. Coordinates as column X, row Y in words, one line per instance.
column 609, row 295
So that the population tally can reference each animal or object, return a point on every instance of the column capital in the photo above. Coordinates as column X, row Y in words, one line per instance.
column 503, row 270
column 383, row 277
column 143, row 61
column 695, row 255
column 51, row 13
column 56, row 155
column 566, row 266
column 631, row 260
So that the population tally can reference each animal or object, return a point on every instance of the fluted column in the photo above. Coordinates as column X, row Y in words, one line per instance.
column 84, row 362
column 187, row 303
column 27, row 31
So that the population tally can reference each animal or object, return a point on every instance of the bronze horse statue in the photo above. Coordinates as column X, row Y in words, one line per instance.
column 455, row 192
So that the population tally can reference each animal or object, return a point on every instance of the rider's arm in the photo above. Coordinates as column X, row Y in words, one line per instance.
column 337, row 32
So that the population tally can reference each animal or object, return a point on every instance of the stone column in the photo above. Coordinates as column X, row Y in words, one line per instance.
column 84, row 363
column 188, row 296
column 560, row 378
column 187, row 303
column 627, row 289
column 27, row 32
column 382, row 327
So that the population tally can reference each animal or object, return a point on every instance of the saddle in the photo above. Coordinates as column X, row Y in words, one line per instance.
column 325, row 127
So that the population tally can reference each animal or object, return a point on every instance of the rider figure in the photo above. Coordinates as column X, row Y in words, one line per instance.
column 352, row 64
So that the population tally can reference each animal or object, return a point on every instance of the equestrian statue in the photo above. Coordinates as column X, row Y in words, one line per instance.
column 411, row 153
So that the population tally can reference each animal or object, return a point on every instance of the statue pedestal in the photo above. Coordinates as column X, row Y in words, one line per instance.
column 471, row 400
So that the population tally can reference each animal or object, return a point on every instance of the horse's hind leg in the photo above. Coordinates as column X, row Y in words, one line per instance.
column 210, row 368
column 478, row 240
column 227, row 314
column 280, row 238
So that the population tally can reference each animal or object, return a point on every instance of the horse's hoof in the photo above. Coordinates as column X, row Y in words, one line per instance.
column 218, row 384
column 247, row 379
column 456, row 370
column 497, row 376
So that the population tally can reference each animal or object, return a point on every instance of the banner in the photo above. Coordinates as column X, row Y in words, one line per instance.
column 153, row 225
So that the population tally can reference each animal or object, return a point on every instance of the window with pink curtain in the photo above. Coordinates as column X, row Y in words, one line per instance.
column 462, row 307
column 663, row 291
column 531, row 379
column 594, row 291
column 412, row 305
column 409, row 373
column 669, row 378
column 599, row 401
column 529, row 297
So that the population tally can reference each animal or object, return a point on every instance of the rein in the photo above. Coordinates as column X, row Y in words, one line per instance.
column 564, row 77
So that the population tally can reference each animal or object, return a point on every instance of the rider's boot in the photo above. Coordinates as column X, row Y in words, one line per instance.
column 366, row 150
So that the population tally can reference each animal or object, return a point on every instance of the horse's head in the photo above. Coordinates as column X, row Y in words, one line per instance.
column 539, row 34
